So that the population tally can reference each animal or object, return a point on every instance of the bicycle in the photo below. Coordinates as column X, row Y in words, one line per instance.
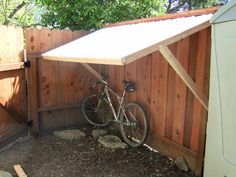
column 99, row 110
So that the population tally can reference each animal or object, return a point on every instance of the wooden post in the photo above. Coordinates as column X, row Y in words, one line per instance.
column 172, row 60
column 91, row 70
column 33, row 93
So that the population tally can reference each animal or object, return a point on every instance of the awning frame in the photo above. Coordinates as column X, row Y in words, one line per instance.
column 179, row 69
column 170, row 58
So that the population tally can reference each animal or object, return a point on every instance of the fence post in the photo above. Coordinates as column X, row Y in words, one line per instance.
column 33, row 93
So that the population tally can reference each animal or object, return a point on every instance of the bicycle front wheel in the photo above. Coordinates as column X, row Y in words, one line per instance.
column 134, row 125
column 96, row 111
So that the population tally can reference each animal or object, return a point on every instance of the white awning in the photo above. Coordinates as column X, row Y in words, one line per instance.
column 124, row 44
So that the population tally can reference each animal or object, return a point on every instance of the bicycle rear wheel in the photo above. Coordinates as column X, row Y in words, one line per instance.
column 134, row 126
column 96, row 111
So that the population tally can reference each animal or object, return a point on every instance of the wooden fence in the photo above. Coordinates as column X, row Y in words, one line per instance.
column 177, row 119
column 56, row 88
column 13, row 101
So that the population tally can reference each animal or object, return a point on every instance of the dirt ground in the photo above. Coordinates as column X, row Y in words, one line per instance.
column 48, row 156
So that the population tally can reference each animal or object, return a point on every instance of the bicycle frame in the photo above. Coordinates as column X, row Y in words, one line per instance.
column 120, row 101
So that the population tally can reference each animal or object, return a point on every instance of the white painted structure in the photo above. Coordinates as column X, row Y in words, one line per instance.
column 220, row 156
column 124, row 44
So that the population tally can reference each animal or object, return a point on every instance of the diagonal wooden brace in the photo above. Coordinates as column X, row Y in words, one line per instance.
column 174, row 63
column 92, row 71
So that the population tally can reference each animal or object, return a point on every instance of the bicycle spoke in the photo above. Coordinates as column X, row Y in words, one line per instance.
column 93, row 110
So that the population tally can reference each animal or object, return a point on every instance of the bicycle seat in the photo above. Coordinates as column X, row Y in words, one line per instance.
column 129, row 86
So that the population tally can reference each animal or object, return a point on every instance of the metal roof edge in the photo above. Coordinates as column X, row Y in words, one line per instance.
column 223, row 10
column 197, row 12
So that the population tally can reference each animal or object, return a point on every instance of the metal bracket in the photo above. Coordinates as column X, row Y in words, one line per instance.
column 27, row 64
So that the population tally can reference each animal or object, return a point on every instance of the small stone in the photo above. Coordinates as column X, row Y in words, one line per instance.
column 71, row 135
column 97, row 133
column 5, row 174
column 111, row 141
column 181, row 164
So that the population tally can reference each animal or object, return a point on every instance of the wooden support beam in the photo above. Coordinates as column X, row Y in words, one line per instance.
column 11, row 66
column 91, row 70
column 87, row 66
column 19, row 171
column 33, row 93
column 172, row 60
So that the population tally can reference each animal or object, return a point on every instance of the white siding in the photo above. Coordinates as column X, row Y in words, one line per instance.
column 220, row 156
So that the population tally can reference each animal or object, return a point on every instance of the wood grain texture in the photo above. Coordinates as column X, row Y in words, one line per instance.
column 159, row 84
column 13, row 102
column 131, row 75
column 203, row 123
column 193, row 49
column 170, row 97
column 173, row 61
column 143, row 83
column 33, row 93
column 59, row 83
column 180, row 94
column 19, row 171
column 200, row 73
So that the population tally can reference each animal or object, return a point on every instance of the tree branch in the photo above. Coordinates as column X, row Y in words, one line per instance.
column 11, row 15
column 169, row 5
column 177, row 8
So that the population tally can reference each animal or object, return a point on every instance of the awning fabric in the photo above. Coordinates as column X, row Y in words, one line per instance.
column 124, row 44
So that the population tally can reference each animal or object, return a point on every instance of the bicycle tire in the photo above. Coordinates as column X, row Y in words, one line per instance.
column 138, row 121
column 97, row 116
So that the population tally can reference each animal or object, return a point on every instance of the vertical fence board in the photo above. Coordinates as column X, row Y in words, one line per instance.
column 57, row 77
column 131, row 75
column 180, row 94
column 143, row 82
column 159, row 93
column 200, row 71
column 68, row 86
column 119, row 77
column 170, row 96
column 203, row 121
column 57, row 70
column 112, row 75
column 44, row 77
column 193, row 50
column 33, row 93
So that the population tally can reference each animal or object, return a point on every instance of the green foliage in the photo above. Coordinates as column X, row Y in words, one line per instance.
column 182, row 5
column 121, row 10
column 17, row 12
column 205, row 3
column 92, row 14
